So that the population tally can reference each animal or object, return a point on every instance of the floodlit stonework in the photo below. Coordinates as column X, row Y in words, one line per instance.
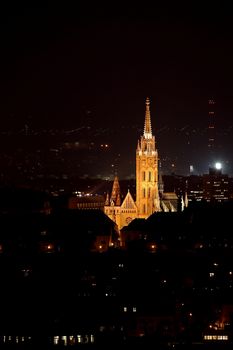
column 150, row 196
column 147, row 193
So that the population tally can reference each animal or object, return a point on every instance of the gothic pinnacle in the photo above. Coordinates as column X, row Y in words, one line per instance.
column 147, row 126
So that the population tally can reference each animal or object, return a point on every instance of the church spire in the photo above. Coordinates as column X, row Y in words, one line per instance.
column 107, row 200
column 147, row 126
column 115, row 195
column 147, row 189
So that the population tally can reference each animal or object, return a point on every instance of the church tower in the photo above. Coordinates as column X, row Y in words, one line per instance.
column 147, row 193
column 115, row 198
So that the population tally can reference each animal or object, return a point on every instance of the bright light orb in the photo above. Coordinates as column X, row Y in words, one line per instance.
column 218, row 166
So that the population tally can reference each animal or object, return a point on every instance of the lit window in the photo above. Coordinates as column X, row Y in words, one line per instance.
column 64, row 339
column 134, row 309
column 125, row 309
column 56, row 340
column 216, row 337
column 79, row 339
column 71, row 339
column 211, row 274
column 92, row 338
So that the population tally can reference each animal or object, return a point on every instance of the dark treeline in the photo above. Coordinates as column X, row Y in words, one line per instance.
column 68, row 277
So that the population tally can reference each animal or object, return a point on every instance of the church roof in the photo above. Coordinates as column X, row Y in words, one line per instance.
column 116, row 193
column 169, row 196
column 169, row 205
column 169, row 202
column 128, row 202
column 90, row 199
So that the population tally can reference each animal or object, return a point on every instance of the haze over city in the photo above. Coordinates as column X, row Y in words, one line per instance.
column 84, row 73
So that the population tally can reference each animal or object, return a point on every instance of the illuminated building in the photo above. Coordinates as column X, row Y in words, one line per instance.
column 147, row 192
column 147, row 184
column 86, row 202
column 121, row 213
column 211, row 133
column 215, row 186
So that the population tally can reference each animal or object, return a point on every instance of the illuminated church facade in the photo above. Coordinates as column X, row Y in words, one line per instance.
column 148, row 197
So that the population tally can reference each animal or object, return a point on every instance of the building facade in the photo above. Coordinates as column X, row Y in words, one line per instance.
column 147, row 190
column 150, row 196
column 216, row 186
column 122, row 213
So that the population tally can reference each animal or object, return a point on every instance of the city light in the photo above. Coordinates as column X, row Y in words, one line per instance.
column 218, row 166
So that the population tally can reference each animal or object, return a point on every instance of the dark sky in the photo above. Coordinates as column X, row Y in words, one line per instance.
column 58, row 62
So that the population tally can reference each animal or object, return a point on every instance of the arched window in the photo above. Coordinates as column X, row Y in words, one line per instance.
column 144, row 193
column 149, row 192
column 150, row 177
column 144, row 208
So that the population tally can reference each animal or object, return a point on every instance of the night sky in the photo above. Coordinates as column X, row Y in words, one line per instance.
column 61, row 64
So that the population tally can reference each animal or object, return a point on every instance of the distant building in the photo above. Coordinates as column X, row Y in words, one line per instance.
column 86, row 202
column 195, row 188
column 216, row 186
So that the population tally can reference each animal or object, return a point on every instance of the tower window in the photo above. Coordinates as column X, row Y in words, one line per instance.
column 149, row 192
column 144, row 193
column 149, row 175
column 143, row 176
column 144, row 208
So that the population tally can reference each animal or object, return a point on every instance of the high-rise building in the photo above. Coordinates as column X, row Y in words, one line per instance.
column 216, row 186
column 211, row 129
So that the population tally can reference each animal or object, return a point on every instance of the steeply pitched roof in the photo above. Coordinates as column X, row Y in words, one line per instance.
column 128, row 202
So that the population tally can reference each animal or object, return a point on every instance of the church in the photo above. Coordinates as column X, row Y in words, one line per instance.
column 150, row 197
